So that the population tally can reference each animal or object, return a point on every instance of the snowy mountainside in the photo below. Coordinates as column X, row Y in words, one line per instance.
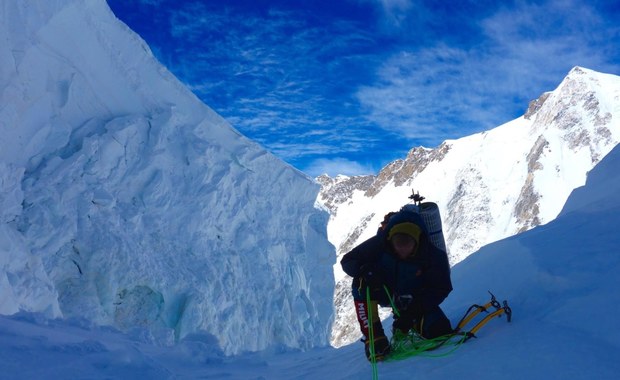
column 489, row 185
column 128, row 202
column 559, row 279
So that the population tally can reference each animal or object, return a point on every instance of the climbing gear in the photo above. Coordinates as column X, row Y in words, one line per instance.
column 429, row 212
column 474, row 310
column 380, row 347
column 370, row 346
column 413, row 344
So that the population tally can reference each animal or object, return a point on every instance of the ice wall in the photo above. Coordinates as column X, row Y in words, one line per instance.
column 133, row 204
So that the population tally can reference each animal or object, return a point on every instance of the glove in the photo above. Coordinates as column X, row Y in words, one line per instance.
column 371, row 275
column 409, row 307
column 410, row 314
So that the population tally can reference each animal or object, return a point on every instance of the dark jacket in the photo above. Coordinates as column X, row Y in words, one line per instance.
column 425, row 275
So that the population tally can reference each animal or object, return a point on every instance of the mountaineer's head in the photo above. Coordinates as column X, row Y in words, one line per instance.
column 404, row 238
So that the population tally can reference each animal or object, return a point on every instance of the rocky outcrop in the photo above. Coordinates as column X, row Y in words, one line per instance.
column 335, row 191
column 535, row 105
column 402, row 172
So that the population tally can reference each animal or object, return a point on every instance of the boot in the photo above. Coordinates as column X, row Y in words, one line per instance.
column 381, row 343
column 366, row 313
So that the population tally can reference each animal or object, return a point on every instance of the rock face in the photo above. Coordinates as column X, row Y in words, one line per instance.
column 335, row 191
column 489, row 185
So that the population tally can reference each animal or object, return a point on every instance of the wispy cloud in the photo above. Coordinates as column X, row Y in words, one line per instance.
column 276, row 75
column 396, row 11
column 363, row 81
column 430, row 93
column 336, row 166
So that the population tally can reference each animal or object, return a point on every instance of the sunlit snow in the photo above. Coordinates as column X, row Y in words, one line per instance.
column 143, row 237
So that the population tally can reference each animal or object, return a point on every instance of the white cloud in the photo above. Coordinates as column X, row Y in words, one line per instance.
column 336, row 166
column 396, row 11
column 430, row 93
column 279, row 76
column 272, row 76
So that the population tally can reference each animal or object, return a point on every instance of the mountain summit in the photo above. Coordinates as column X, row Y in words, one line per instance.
column 489, row 185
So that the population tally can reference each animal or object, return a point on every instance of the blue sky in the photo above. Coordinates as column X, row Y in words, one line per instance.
column 346, row 86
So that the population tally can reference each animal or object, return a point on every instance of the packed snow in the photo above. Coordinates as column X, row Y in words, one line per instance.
column 560, row 280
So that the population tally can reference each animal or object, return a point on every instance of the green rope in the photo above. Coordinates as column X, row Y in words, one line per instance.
column 394, row 308
column 409, row 345
column 371, row 333
column 413, row 344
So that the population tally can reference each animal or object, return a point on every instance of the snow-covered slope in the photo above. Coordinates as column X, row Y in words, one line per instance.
column 489, row 185
column 126, row 201
column 560, row 280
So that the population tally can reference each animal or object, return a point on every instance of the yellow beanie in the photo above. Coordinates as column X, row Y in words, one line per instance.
column 410, row 229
